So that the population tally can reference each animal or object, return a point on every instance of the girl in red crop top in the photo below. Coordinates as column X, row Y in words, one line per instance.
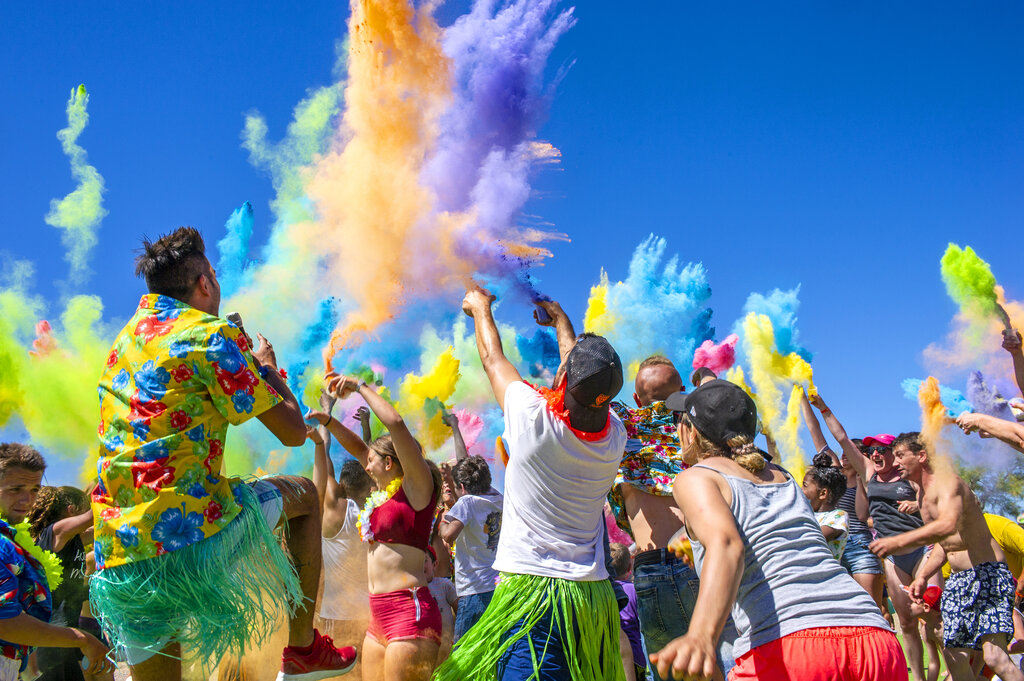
column 398, row 523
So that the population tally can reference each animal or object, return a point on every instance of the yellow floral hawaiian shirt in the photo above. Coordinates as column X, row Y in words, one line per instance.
column 652, row 459
column 173, row 381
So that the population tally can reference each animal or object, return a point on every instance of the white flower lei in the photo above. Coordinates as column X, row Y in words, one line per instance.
column 372, row 502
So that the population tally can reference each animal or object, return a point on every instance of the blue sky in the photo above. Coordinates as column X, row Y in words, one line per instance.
column 835, row 146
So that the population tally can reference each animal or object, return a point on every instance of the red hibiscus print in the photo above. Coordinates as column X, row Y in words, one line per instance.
column 213, row 512
column 180, row 420
column 112, row 358
column 242, row 342
column 110, row 513
column 216, row 451
column 181, row 373
column 144, row 410
column 245, row 380
column 100, row 429
column 152, row 474
column 151, row 327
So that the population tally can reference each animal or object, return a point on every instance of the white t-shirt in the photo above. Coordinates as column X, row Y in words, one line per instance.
column 839, row 521
column 555, row 488
column 480, row 515
column 346, row 587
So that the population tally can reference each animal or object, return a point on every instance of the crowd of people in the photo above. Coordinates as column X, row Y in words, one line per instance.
column 395, row 568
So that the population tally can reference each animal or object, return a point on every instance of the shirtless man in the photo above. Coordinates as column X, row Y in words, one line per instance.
column 977, row 603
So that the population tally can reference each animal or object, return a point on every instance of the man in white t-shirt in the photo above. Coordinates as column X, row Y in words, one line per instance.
column 553, row 614
column 472, row 526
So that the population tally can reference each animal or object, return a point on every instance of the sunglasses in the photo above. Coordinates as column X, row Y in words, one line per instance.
column 868, row 451
column 679, row 417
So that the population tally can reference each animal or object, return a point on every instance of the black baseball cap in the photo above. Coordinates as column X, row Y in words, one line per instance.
column 718, row 409
column 593, row 375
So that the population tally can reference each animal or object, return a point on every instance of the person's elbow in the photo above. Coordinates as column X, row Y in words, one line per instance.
column 294, row 436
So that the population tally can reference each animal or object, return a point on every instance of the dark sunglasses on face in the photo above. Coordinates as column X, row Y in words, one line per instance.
column 868, row 451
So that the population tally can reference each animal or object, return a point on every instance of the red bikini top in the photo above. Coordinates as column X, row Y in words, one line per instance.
column 396, row 522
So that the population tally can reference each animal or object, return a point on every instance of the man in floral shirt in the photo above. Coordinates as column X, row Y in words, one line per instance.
column 181, row 550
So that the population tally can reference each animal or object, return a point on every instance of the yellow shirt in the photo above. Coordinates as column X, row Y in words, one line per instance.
column 174, row 379
column 1010, row 537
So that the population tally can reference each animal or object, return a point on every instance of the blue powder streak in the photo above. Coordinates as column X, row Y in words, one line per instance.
column 234, row 249
column 952, row 399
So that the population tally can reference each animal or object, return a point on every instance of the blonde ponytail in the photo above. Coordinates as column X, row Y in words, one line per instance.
column 747, row 454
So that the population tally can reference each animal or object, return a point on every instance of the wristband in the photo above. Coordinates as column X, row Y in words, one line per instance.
column 825, row 410
column 1019, row 593
column 263, row 371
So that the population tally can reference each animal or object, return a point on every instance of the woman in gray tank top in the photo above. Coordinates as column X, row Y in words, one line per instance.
column 762, row 557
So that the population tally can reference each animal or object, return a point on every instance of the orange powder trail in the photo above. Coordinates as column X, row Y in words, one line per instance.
column 367, row 193
column 933, row 413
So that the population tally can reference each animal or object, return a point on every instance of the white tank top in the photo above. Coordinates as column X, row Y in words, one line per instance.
column 346, row 589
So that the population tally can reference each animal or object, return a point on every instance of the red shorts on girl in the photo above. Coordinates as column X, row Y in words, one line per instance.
column 826, row 654
column 404, row 614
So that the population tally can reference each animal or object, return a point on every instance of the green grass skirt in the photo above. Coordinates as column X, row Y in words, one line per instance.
column 217, row 596
column 587, row 608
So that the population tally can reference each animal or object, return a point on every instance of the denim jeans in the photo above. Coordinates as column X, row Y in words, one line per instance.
column 470, row 608
column 666, row 593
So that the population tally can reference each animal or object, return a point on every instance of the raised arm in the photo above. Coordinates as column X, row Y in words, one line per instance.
column 500, row 372
column 352, row 443
column 66, row 529
column 417, row 481
column 363, row 416
column 1010, row 432
column 560, row 322
column 856, row 458
column 452, row 421
column 1012, row 344
column 284, row 420
column 710, row 521
column 814, row 428
column 323, row 467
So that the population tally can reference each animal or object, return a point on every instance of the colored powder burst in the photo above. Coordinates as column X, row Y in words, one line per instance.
column 954, row 400
column 376, row 182
column 780, row 307
column 738, row 376
column 716, row 357
column 777, row 379
column 79, row 213
column 987, row 400
column 234, row 249
column 658, row 309
column 539, row 352
column 973, row 342
column 934, row 414
column 969, row 280
column 422, row 398
column 53, row 394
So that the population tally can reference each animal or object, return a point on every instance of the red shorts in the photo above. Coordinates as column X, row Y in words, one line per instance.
column 826, row 654
column 403, row 615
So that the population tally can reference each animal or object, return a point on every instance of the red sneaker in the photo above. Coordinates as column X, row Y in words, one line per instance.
column 322, row 662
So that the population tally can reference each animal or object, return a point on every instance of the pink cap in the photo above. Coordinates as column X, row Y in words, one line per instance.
column 882, row 439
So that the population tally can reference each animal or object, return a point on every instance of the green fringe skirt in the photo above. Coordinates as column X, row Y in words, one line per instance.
column 585, row 612
column 214, row 597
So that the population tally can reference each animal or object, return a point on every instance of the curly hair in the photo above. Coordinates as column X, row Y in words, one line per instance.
column 172, row 264
column 52, row 504
column 828, row 477
column 473, row 473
